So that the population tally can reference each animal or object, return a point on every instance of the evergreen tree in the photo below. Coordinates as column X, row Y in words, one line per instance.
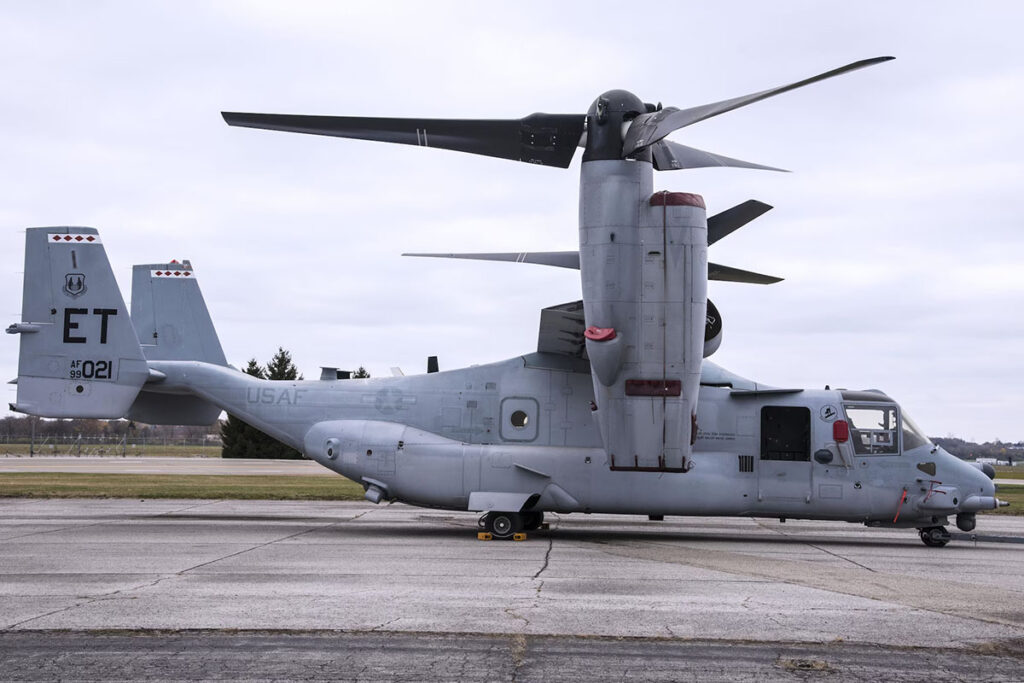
column 282, row 367
column 242, row 440
column 361, row 373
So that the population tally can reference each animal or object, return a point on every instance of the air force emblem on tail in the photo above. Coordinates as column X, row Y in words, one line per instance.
column 74, row 285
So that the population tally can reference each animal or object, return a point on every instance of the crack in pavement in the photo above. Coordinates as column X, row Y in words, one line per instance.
column 189, row 507
column 149, row 584
column 378, row 627
column 518, row 654
column 106, row 521
column 784, row 534
column 961, row 600
column 54, row 531
column 547, row 558
column 840, row 557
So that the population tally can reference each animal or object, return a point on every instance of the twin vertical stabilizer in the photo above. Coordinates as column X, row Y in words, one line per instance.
column 79, row 356
column 80, row 353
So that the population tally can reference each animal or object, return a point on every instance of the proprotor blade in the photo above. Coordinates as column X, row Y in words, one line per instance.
column 546, row 139
column 649, row 128
column 730, row 220
column 727, row 274
column 671, row 156
column 559, row 259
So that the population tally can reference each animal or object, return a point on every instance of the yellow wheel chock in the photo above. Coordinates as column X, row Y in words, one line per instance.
column 488, row 536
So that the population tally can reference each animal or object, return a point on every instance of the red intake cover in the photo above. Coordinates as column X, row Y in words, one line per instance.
column 600, row 333
column 677, row 199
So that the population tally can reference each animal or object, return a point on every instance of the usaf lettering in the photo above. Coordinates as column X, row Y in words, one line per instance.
column 274, row 396
column 70, row 324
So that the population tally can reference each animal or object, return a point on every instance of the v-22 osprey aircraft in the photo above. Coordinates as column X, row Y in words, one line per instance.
column 617, row 411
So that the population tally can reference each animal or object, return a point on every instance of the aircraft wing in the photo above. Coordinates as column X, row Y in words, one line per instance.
column 561, row 330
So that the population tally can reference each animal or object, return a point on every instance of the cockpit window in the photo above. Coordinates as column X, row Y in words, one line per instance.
column 912, row 435
column 874, row 430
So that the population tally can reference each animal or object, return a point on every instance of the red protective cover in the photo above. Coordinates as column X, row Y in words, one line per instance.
column 600, row 333
column 677, row 199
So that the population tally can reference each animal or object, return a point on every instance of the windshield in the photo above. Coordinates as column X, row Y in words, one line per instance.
column 874, row 430
column 913, row 437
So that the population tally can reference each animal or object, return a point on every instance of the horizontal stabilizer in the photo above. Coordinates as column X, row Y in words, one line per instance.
column 559, row 259
column 727, row 274
column 561, row 330
column 730, row 220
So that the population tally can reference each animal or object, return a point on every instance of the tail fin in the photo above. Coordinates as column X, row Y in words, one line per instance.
column 173, row 323
column 170, row 315
column 80, row 356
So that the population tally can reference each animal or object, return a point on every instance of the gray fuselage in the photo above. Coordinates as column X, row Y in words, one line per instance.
column 458, row 440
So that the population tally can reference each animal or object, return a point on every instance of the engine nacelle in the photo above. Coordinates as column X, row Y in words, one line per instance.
column 712, row 330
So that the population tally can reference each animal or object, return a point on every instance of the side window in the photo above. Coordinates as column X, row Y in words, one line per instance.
column 786, row 433
column 519, row 417
column 874, row 430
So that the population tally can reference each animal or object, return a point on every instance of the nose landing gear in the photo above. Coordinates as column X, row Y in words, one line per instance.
column 934, row 536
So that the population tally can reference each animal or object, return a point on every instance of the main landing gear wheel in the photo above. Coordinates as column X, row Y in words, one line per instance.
column 934, row 536
column 532, row 520
column 503, row 525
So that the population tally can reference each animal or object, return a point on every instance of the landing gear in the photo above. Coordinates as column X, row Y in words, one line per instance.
column 934, row 536
column 532, row 520
column 502, row 525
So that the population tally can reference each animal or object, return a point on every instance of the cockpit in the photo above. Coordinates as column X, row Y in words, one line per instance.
column 878, row 428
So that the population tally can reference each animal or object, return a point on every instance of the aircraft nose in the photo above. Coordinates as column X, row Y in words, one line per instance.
column 987, row 469
column 984, row 481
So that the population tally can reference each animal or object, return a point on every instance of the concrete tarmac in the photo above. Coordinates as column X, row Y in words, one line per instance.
column 136, row 589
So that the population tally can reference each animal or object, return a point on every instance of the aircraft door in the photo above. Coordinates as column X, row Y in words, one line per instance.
column 785, row 471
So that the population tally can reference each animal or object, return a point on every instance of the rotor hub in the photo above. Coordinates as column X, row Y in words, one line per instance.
column 605, row 124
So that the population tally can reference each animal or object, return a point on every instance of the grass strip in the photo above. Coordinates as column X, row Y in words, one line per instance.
column 240, row 487
column 1010, row 473
column 1012, row 494
column 113, row 450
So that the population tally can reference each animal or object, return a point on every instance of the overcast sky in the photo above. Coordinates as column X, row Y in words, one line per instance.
column 900, row 232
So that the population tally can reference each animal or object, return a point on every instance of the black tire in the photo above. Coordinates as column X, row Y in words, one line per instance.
column 934, row 536
column 532, row 520
column 503, row 525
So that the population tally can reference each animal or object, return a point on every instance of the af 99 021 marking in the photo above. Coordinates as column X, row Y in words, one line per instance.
column 91, row 369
